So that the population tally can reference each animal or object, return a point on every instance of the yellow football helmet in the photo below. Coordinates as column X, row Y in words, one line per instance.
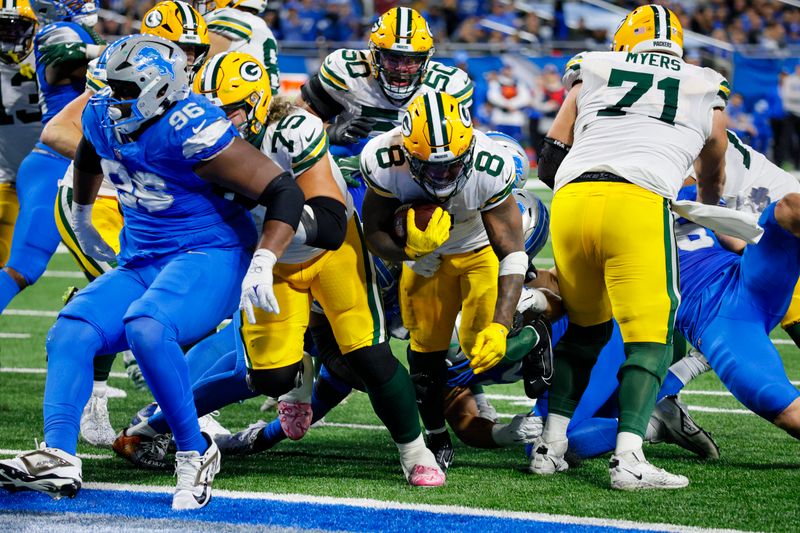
column 651, row 28
column 180, row 23
column 438, row 142
column 402, row 45
column 235, row 80
column 207, row 6
column 18, row 25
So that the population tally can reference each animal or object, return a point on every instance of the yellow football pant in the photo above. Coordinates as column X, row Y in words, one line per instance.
column 344, row 283
column 9, row 209
column 615, row 254
column 793, row 313
column 107, row 220
column 464, row 282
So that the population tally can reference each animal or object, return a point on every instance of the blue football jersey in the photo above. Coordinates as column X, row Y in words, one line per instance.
column 167, row 207
column 53, row 98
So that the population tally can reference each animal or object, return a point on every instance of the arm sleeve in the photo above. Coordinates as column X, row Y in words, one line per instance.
column 86, row 158
column 318, row 99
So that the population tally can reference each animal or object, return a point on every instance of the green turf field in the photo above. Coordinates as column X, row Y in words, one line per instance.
column 754, row 486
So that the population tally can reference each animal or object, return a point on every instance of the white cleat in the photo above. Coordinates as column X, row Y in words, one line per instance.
column 195, row 474
column 523, row 429
column 114, row 392
column 210, row 425
column 95, row 425
column 548, row 457
column 631, row 471
column 49, row 470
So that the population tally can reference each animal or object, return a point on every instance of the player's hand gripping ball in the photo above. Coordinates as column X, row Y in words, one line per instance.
column 422, row 228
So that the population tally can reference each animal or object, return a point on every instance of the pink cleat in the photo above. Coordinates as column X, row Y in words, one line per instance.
column 426, row 476
column 295, row 418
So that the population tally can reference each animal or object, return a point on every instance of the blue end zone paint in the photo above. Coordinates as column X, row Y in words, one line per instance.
column 276, row 514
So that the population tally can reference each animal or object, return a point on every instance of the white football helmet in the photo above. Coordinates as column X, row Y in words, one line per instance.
column 145, row 76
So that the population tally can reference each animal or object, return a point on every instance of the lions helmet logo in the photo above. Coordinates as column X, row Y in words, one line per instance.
column 250, row 71
column 153, row 19
column 148, row 57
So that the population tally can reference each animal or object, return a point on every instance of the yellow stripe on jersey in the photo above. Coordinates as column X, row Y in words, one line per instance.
column 724, row 90
column 94, row 84
column 315, row 151
column 499, row 197
column 464, row 96
column 380, row 191
column 332, row 79
column 240, row 30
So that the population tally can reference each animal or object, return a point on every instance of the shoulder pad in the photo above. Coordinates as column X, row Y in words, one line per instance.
column 723, row 90
column 201, row 135
column 303, row 136
column 230, row 24
column 333, row 71
column 460, row 87
column 572, row 72
column 60, row 32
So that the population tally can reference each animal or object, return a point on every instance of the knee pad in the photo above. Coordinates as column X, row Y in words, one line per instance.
column 583, row 344
column 340, row 366
column 274, row 382
column 69, row 333
column 649, row 356
column 374, row 365
column 427, row 368
column 38, row 243
column 147, row 335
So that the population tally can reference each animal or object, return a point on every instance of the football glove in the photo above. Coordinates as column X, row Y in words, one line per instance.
column 257, row 285
column 490, row 347
column 427, row 265
column 55, row 54
column 422, row 242
column 350, row 131
column 90, row 241
column 351, row 172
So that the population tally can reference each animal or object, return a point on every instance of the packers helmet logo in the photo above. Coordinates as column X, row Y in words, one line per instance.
column 377, row 25
column 250, row 71
column 153, row 19
column 406, row 124
column 466, row 118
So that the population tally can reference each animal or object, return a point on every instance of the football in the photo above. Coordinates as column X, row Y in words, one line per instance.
column 422, row 215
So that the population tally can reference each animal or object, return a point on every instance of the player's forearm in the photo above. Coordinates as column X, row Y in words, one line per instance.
column 509, row 288
column 62, row 137
column 382, row 244
column 276, row 236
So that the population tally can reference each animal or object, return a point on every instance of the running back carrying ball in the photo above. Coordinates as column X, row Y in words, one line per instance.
column 422, row 215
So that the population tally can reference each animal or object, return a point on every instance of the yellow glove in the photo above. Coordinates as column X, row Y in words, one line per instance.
column 490, row 347
column 419, row 242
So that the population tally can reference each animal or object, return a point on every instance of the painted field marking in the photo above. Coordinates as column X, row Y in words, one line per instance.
column 15, row 335
column 64, row 274
column 30, row 312
column 81, row 455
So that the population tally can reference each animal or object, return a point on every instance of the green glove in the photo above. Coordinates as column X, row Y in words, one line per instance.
column 56, row 54
column 350, row 170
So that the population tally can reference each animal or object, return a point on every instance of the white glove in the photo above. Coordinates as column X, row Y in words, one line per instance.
column 532, row 299
column 427, row 265
column 257, row 285
column 523, row 429
column 90, row 241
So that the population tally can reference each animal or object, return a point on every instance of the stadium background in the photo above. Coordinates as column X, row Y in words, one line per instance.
column 342, row 474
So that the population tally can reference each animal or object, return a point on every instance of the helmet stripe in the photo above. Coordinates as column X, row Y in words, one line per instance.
column 656, row 21
column 212, row 68
column 429, row 111
column 441, row 122
column 668, row 23
column 403, row 24
column 189, row 21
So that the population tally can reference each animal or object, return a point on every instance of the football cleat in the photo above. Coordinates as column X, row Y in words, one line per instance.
column 49, row 470
column 95, row 425
column 210, row 426
column 671, row 422
column 195, row 474
column 135, row 374
column 523, row 429
column 114, row 392
column 442, row 448
column 631, row 471
column 145, row 449
column 426, row 476
column 548, row 457
column 295, row 418
column 246, row 442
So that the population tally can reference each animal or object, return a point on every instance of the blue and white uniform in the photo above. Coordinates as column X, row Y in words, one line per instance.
column 184, row 252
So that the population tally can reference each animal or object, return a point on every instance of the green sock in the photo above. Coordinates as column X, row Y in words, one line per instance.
column 102, row 366
column 396, row 405
column 679, row 346
column 794, row 333
column 574, row 358
column 640, row 379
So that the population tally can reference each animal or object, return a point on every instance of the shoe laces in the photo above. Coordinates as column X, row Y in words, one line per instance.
column 97, row 407
column 187, row 464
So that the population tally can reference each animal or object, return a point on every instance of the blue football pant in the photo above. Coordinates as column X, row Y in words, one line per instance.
column 35, row 234
column 154, row 308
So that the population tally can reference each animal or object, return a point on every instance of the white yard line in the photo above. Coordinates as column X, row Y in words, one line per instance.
column 30, row 312
column 12, row 370
column 720, row 410
column 67, row 274
column 15, row 335
column 101, row 457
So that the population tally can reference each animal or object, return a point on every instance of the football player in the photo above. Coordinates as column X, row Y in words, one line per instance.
column 184, row 251
column 665, row 112
column 237, row 26
column 477, row 267
column 20, row 123
column 367, row 91
column 35, row 235
column 327, row 261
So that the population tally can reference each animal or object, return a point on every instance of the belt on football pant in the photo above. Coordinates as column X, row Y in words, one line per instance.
column 588, row 177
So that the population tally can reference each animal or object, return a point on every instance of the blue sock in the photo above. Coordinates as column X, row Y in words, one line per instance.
column 163, row 365
column 71, row 347
column 593, row 437
column 273, row 432
column 671, row 385
column 8, row 289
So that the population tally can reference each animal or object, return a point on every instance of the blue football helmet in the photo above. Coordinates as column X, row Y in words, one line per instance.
column 81, row 11
column 145, row 76
column 522, row 164
column 535, row 221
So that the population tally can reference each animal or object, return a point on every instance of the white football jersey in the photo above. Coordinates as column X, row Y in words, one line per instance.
column 347, row 77
column 644, row 117
column 752, row 182
column 20, row 116
column 385, row 170
column 249, row 34
column 296, row 143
